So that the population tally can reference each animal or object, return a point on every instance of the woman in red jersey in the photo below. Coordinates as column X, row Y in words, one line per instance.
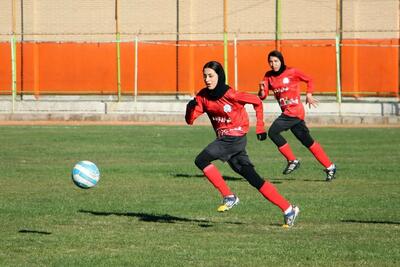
column 284, row 83
column 225, row 109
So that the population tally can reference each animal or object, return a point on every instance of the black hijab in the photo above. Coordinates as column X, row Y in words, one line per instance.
column 221, row 87
column 276, row 53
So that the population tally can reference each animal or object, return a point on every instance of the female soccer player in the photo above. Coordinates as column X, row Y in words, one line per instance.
column 225, row 109
column 284, row 83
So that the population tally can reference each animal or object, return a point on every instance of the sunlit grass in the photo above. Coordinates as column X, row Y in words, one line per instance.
column 152, row 207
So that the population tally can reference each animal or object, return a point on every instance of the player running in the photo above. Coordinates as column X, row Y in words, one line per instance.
column 284, row 83
column 225, row 109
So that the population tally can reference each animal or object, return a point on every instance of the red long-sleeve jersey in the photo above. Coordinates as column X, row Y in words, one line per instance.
column 227, row 114
column 287, row 90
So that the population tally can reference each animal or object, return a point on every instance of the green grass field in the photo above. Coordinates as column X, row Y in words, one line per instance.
column 153, row 207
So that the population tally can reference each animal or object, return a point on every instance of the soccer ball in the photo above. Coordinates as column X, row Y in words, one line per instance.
column 85, row 174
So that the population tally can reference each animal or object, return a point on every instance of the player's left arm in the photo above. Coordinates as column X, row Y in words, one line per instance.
column 246, row 98
column 310, row 99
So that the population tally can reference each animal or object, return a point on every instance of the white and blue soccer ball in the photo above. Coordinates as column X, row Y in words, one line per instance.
column 85, row 174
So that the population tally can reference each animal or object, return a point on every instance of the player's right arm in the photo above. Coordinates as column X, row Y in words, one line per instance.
column 194, row 109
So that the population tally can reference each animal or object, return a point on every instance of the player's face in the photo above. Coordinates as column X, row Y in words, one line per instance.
column 210, row 78
column 274, row 63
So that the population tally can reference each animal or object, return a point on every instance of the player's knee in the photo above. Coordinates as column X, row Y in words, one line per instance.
column 308, row 142
column 305, row 139
column 238, row 163
column 256, row 182
column 202, row 160
column 236, row 168
column 272, row 132
column 250, row 174
column 303, row 135
column 276, row 137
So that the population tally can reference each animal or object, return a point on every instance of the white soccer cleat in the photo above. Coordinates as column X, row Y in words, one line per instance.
column 228, row 203
column 330, row 173
column 291, row 166
column 290, row 218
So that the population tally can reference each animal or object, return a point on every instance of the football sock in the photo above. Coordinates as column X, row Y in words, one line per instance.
column 320, row 155
column 287, row 152
column 215, row 177
column 269, row 191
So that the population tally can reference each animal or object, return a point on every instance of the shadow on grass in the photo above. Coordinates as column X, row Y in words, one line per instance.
column 27, row 231
column 226, row 178
column 160, row 218
column 281, row 180
column 370, row 222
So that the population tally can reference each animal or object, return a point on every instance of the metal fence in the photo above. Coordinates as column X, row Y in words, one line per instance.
column 137, row 47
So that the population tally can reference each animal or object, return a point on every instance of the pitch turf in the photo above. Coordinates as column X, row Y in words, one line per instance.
column 152, row 207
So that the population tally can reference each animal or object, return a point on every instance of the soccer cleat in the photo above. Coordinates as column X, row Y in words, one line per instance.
column 330, row 173
column 291, row 166
column 291, row 217
column 228, row 203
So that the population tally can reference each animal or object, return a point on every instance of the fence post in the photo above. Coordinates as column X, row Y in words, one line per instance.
column 338, row 71
column 277, row 24
column 13, row 56
column 235, row 62
column 13, row 71
column 118, row 66
column 118, row 41
column 338, row 40
column 226, row 41
column 136, row 68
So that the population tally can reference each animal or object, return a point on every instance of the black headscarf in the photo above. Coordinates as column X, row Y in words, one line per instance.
column 276, row 53
column 221, row 87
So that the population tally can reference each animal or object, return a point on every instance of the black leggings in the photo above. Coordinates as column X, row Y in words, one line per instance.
column 239, row 162
column 296, row 125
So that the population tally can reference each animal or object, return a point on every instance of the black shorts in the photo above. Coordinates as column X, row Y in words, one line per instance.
column 231, row 149
column 296, row 125
column 284, row 123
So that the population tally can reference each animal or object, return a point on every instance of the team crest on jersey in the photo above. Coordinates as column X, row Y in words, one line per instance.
column 285, row 80
column 227, row 108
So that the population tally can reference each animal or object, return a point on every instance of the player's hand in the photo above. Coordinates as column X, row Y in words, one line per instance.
column 311, row 101
column 192, row 103
column 262, row 136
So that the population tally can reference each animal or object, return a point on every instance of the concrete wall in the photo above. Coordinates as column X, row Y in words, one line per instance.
column 168, row 109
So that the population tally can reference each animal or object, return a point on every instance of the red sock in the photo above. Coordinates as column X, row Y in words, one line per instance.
column 269, row 191
column 287, row 152
column 320, row 155
column 215, row 177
